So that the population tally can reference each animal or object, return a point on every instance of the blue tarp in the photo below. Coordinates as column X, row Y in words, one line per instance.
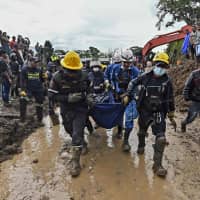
column 108, row 115
column 185, row 46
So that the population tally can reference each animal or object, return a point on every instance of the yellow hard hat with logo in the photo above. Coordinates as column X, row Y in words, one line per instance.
column 71, row 61
column 163, row 57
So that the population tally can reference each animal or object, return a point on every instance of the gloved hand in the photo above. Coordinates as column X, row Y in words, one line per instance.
column 107, row 85
column 172, row 120
column 90, row 100
column 55, row 119
column 74, row 97
column 23, row 93
column 125, row 100
column 44, row 75
column 171, row 115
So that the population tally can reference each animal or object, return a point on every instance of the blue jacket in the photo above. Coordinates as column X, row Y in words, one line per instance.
column 121, row 77
column 108, row 74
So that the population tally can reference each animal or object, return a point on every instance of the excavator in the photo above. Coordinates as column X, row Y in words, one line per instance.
column 164, row 39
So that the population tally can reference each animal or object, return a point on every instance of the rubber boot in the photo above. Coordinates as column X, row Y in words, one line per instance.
column 109, row 133
column 159, row 147
column 183, row 127
column 141, row 144
column 75, row 167
column 23, row 106
column 119, row 133
column 126, row 146
column 39, row 112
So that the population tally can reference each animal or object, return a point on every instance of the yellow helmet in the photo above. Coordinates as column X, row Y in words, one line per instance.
column 71, row 61
column 163, row 57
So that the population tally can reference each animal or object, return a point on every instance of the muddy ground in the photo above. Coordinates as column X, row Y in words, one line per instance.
column 39, row 170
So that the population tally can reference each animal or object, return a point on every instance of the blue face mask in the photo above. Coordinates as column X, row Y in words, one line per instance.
column 158, row 71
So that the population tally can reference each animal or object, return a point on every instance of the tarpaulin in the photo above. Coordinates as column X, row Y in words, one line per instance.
column 186, row 43
column 108, row 115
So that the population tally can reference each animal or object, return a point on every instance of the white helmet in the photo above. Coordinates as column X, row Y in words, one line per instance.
column 117, row 57
column 127, row 56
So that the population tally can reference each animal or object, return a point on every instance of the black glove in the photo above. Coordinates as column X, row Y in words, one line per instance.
column 90, row 100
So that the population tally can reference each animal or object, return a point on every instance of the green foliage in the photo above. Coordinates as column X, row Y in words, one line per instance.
column 174, row 50
column 94, row 52
column 179, row 10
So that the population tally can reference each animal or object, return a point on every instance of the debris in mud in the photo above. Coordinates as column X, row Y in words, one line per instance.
column 12, row 131
column 35, row 161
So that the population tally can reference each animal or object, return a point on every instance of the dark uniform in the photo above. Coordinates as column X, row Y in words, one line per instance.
column 73, row 112
column 32, row 84
column 155, row 100
column 70, row 87
column 191, row 92
column 121, row 78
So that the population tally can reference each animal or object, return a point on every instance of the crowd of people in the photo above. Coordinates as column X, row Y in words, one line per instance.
column 113, row 96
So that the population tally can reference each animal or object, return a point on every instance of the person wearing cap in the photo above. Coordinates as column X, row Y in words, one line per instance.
column 70, row 87
column 96, row 77
column 122, row 75
column 155, row 102
column 31, row 84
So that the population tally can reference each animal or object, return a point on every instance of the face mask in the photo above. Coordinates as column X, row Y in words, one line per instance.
column 96, row 69
column 158, row 71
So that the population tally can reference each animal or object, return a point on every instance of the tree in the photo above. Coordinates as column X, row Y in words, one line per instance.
column 94, row 52
column 179, row 10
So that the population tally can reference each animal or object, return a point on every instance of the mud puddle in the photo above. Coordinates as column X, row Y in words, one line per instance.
column 39, row 173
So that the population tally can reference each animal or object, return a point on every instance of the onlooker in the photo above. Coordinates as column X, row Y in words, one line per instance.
column 12, row 42
column 192, row 41
column 5, row 43
column 6, row 76
column 197, row 44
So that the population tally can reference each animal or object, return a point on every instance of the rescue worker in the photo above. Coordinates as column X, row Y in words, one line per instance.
column 155, row 101
column 108, row 81
column 191, row 93
column 96, row 77
column 32, row 78
column 51, row 68
column 122, row 75
column 109, row 70
column 15, row 68
column 70, row 87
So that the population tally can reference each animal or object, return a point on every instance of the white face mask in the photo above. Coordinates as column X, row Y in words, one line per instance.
column 96, row 69
column 158, row 71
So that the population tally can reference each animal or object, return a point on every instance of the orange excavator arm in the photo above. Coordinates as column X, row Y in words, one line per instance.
column 165, row 38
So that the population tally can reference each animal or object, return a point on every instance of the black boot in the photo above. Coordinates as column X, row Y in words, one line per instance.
column 141, row 144
column 23, row 106
column 75, row 167
column 183, row 127
column 126, row 146
column 158, row 155
column 119, row 133
column 39, row 112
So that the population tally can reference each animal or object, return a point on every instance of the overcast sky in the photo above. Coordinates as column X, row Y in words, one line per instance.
column 78, row 24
